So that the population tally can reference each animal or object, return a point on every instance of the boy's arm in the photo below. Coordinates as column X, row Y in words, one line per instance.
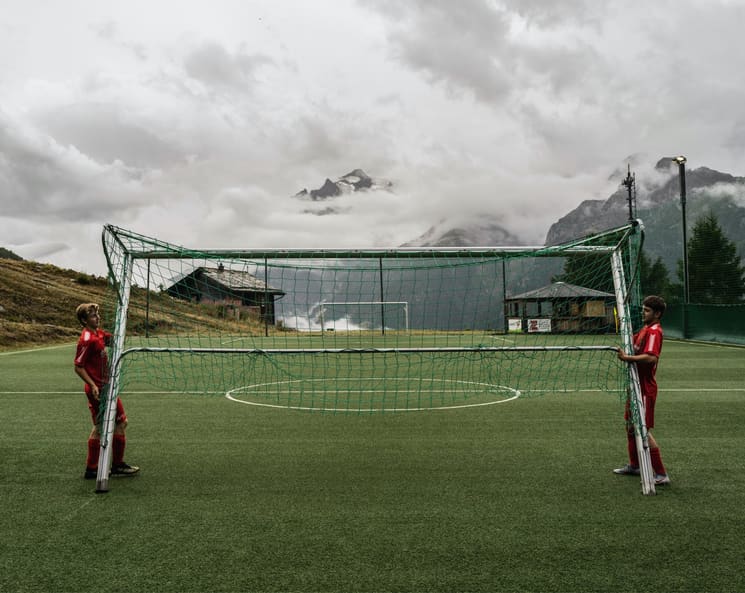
column 649, row 358
column 83, row 374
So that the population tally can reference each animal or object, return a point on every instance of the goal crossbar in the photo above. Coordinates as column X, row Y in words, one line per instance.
column 273, row 351
column 142, row 247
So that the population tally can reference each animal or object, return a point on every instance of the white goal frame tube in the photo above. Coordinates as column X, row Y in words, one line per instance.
column 111, row 391
column 640, row 427
column 271, row 351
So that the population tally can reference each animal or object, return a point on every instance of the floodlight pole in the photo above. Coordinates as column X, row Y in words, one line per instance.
column 681, row 160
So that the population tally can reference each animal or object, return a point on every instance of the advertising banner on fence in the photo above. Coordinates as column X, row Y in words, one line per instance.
column 539, row 325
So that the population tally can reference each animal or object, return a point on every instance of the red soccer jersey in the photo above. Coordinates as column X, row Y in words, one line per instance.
column 91, row 355
column 648, row 341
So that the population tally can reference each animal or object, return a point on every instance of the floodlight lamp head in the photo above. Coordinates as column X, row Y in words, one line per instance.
column 680, row 159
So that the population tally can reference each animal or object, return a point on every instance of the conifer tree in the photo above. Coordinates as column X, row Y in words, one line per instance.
column 716, row 274
column 654, row 278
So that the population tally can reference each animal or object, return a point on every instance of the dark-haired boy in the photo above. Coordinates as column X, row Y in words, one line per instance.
column 647, row 349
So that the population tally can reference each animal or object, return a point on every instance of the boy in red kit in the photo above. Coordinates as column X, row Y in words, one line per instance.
column 647, row 349
column 92, row 366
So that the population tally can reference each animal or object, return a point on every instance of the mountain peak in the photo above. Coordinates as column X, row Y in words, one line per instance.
column 329, row 189
column 473, row 233
column 357, row 173
column 354, row 181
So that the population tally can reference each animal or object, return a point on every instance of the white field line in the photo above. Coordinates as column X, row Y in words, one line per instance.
column 80, row 508
column 354, row 409
column 501, row 339
column 30, row 350
column 178, row 392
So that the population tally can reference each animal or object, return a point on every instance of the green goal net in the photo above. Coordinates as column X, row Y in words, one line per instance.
column 369, row 330
column 372, row 330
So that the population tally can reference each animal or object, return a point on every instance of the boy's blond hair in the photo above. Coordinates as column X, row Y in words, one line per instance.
column 83, row 311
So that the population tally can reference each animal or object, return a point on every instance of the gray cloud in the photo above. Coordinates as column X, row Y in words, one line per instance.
column 200, row 123
column 460, row 44
column 212, row 64
column 559, row 14
column 41, row 179
column 106, row 134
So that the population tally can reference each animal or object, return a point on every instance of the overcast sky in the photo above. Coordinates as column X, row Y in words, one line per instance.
column 196, row 122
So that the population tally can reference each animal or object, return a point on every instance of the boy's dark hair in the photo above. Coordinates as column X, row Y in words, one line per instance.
column 656, row 303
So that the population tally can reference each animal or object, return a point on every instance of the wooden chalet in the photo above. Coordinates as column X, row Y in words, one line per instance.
column 561, row 308
column 238, row 293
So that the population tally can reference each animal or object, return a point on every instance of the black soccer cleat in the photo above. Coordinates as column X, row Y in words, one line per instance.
column 124, row 469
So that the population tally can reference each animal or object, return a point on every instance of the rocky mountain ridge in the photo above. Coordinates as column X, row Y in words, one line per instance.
column 657, row 204
column 596, row 215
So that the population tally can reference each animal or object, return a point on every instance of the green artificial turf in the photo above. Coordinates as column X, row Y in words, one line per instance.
column 512, row 497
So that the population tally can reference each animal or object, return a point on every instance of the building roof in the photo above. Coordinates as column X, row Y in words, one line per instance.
column 560, row 290
column 234, row 280
column 237, row 280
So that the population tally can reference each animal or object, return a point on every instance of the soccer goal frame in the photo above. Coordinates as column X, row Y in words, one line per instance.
column 126, row 250
column 380, row 305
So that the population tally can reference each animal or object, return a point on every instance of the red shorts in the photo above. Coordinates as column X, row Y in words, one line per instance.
column 648, row 411
column 94, row 406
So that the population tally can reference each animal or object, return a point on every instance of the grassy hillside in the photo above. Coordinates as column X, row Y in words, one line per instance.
column 37, row 307
column 38, row 302
column 8, row 254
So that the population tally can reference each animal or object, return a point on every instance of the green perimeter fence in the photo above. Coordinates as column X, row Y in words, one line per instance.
column 710, row 323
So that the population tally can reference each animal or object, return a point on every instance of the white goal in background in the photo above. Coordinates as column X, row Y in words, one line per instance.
column 364, row 316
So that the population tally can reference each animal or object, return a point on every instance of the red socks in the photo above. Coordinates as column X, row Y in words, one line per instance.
column 654, row 454
column 120, row 442
column 94, row 446
column 657, row 465
column 631, row 446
